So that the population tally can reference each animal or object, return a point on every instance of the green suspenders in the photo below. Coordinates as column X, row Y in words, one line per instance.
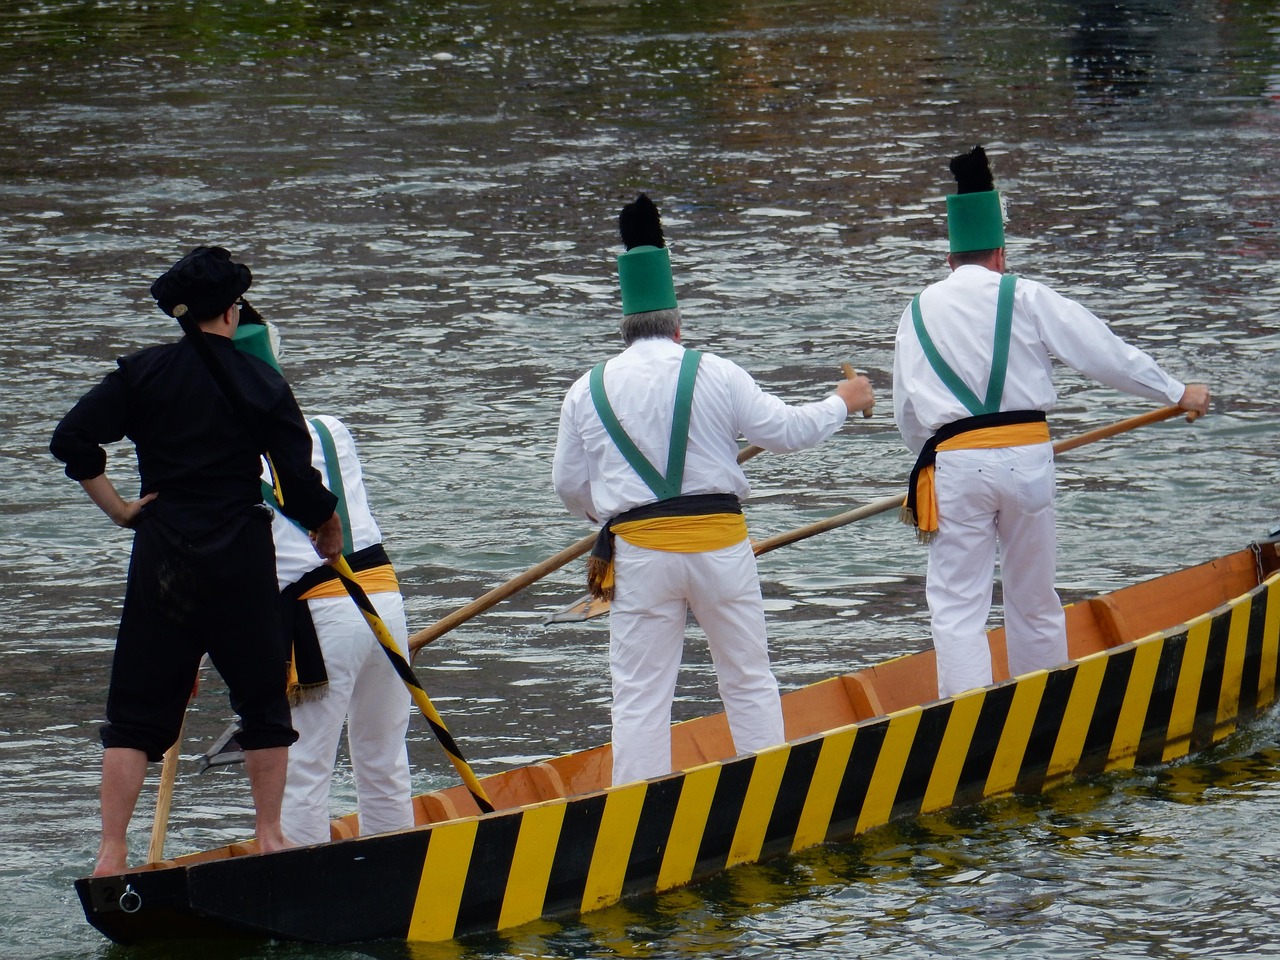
column 663, row 487
column 333, row 469
column 999, row 353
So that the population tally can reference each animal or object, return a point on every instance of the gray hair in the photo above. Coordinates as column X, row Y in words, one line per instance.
column 650, row 324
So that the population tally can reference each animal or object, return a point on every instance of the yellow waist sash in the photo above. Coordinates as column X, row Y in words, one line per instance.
column 713, row 531
column 699, row 533
column 984, row 438
column 374, row 580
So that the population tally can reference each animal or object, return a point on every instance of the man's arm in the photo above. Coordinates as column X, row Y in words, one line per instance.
column 123, row 513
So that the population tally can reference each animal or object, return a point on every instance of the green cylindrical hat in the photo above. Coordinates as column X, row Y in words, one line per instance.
column 975, row 221
column 253, row 336
column 644, row 273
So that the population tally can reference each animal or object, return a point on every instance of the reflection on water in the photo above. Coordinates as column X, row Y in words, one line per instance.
column 426, row 194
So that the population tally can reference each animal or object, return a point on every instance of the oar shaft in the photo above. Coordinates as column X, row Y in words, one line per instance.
column 499, row 593
column 416, row 690
column 518, row 583
column 164, row 799
column 830, row 523
column 1120, row 426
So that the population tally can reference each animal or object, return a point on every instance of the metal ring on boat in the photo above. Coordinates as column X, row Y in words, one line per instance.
column 130, row 900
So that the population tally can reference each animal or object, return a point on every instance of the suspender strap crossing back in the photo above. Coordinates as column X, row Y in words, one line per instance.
column 999, row 353
column 663, row 487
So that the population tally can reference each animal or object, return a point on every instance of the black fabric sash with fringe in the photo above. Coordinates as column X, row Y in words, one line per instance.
column 308, row 663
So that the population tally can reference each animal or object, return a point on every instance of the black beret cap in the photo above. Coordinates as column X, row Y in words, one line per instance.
column 206, row 282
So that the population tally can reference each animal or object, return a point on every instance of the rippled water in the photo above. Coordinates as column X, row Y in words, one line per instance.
column 426, row 194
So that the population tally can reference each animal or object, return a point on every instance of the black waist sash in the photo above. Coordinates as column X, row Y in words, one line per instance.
column 300, row 630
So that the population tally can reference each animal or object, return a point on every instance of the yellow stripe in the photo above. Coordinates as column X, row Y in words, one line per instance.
column 824, row 787
column 374, row 580
column 1012, row 748
column 696, row 534
column 883, row 788
column 531, row 863
column 444, row 873
column 952, row 752
column 1137, row 698
column 757, row 805
column 688, row 825
column 1075, row 721
column 1183, row 716
column 613, row 846
column 1270, row 646
column 1233, row 668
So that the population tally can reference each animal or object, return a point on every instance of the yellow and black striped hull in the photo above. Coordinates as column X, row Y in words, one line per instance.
column 1146, row 701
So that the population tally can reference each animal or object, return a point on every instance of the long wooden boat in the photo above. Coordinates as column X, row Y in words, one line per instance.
column 1160, row 670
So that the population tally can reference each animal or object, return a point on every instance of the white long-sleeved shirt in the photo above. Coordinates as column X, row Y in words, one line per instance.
column 295, row 555
column 595, row 481
column 960, row 315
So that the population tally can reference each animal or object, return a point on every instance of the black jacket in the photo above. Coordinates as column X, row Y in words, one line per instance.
column 192, row 448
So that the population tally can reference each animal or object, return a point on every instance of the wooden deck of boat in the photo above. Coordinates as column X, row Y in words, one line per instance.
column 1093, row 626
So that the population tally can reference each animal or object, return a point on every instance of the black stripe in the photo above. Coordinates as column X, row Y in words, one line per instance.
column 723, row 816
column 572, row 860
column 653, row 834
column 1251, row 669
column 1155, row 727
column 797, row 779
column 1210, row 693
column 1045, row 730
column 1106, row 712
column 488, row 873
column 852, row 794
column 982, row 748
column 922, row 758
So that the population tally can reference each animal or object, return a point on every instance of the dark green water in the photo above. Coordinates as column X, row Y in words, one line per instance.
column 426, row 193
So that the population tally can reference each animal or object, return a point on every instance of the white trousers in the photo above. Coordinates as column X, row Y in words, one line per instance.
column 653, row 589
column 1003, row 495
column 366, row 693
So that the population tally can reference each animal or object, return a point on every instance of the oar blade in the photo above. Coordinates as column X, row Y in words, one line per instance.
column 585, row 607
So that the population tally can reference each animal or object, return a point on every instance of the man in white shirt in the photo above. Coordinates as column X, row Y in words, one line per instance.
column 648, row 445
column 339, row 672
column 984, row 472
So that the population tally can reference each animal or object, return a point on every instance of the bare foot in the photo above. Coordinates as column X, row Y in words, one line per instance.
column 113, row 859
column 273, row 841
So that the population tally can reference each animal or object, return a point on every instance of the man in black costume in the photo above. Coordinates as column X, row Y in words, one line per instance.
column 202, row 574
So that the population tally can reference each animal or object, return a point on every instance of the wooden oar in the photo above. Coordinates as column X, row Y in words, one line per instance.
column 518, row 583
column 164, row 797
column 168, row 776
column 588, row 607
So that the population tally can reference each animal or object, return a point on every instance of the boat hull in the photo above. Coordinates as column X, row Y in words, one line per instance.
column 1148, row 701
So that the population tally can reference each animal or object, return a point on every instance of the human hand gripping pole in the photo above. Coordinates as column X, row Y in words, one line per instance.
column 851, row 374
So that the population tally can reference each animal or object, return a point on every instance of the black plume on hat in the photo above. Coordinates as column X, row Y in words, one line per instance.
column 640, row 224
column 202, row 284
column 972, row 172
